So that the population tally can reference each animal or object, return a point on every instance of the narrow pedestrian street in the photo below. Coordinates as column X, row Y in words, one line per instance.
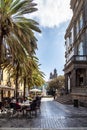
column 53, row 116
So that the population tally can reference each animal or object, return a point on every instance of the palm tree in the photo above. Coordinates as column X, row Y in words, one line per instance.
column 14, row 24
column 30, row 71
column 26, row 72
column 15, row 29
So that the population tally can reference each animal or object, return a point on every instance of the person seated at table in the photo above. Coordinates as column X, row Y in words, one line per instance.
column 15, row 104
column 13, row 100
column 26, row 101
column 6, row 105
column 38, row 98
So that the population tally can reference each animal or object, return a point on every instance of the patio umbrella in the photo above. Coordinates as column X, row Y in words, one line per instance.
column 35, row 90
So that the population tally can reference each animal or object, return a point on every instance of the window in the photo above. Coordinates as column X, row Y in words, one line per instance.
column 69, row 56
column 70, row 40
column 77, row 3
column 67, row 43
column 80, row 48
column 77, row 27
column 72, row 35
column 81, row 21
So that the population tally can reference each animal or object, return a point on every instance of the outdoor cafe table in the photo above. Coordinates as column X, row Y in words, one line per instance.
column 24, row 106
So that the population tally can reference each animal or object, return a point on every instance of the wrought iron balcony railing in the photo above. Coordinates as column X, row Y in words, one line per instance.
column 77, row 58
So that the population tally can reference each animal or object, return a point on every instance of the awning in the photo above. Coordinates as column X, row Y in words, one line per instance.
column 3, row 87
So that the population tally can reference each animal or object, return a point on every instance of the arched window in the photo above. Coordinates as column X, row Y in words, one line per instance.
column 80, row 48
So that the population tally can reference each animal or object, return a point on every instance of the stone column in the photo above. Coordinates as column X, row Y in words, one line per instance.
column 66, row 83
column 74, row 78
column 71, row 82
column 86, row 78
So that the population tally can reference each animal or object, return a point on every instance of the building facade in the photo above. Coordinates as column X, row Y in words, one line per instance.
column 7, row 86
column 75, row 68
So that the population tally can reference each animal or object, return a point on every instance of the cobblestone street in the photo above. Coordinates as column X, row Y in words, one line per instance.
column 53, row 116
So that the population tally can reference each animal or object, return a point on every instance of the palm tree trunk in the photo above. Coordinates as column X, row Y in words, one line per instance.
column 16, row 82
column 1, row 42
column 24, row 87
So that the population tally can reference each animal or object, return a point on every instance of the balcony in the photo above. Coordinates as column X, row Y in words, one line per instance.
column 76, row 59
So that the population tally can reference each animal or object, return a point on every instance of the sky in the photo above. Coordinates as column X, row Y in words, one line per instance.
column 53, row 17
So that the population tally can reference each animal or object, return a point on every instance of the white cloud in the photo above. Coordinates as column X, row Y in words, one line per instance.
column 52, row 12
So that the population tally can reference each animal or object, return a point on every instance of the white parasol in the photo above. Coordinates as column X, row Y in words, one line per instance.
column 35, row 90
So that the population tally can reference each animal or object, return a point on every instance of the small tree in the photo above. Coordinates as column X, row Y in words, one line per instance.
column 55, row 84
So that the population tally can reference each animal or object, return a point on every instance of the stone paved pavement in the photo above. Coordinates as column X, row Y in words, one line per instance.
column 53, row 116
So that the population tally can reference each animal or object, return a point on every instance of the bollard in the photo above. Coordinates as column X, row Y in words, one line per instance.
column 76, row 104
